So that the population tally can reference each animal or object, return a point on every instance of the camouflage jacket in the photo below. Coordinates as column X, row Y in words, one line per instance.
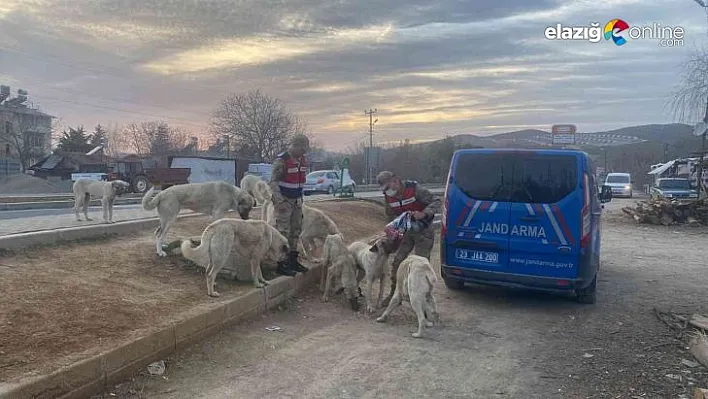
column 428, row 199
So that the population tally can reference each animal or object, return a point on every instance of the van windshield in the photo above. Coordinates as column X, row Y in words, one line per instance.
column 617, row 179
column 514, row 177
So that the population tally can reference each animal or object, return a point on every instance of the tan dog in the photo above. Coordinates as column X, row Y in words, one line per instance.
column 212, row 198
column 316, row 226
column 268, row 212
column 340, row 266
column 254, row 240
column 256, row 187
column 84, row 189
column 415, row 280
column 373, row 259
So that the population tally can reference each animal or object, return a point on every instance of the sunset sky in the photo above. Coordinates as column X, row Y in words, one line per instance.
column 430, row 68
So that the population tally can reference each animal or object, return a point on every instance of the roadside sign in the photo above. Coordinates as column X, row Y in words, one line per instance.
column 563, row 134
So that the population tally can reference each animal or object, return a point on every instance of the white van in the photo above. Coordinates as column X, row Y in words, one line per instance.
column 621, row 184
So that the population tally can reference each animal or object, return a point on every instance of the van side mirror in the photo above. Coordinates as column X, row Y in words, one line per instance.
column 606, row 194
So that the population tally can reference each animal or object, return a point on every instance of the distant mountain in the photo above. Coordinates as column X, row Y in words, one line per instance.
column 669, row 133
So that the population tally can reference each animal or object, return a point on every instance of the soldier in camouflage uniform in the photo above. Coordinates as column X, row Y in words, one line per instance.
column 287, row 181
column 401, row 196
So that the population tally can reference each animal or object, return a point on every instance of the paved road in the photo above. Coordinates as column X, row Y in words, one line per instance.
column 44, row 219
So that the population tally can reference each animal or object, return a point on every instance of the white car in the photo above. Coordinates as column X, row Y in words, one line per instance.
column 620, row 183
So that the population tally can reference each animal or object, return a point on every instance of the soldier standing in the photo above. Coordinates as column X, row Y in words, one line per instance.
column 401, row 196
column 287, row 181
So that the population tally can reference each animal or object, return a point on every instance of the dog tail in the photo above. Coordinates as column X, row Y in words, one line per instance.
column 150, row 203
column 199, row 254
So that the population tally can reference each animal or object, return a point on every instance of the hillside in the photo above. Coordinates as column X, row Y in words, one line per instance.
column 669, row 133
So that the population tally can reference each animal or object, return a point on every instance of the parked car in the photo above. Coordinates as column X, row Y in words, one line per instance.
column 327, row 181
column 532, row 220
column 674, row 187
column 621, row 184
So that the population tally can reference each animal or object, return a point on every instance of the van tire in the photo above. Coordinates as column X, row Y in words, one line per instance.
column 452, row 284
column 587, row 295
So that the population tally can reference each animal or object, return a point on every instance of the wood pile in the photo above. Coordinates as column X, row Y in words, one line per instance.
column 669, row 212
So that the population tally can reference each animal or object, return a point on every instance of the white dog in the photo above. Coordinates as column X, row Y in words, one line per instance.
column 415, row 280
column 340, row 266
column 212, row 198
column 316, row 226
column 84, row 189
column 254, row 240
column 373, row 259
column 256, row 187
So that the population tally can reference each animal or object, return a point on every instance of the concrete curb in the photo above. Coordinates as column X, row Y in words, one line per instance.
column 98, row 373
column 54, row 236
column 21, row 206
column 64, row 202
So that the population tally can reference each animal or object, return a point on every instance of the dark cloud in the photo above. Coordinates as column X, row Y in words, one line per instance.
column 430, row 68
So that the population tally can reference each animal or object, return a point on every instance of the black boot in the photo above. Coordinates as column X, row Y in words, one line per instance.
column 294, row 264
column 284, row 269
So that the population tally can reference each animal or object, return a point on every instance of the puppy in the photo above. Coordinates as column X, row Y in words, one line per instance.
column 253, row 240
column 415, row 280
column 373, row 259
column 84, row 189
column 339, row 266
column 213, row 198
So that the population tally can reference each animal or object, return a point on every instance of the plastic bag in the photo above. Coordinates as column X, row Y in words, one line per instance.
column 398, row 227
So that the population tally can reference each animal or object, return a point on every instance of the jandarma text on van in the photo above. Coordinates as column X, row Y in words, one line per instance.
column 594, row 32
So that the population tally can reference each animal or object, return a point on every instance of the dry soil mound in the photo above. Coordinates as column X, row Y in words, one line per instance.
column 26, row 184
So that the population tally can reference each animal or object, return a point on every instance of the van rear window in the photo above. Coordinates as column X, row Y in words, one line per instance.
column 514, row 177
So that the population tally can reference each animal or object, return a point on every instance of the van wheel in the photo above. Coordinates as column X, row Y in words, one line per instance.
column 588, row 295
column 453, row 284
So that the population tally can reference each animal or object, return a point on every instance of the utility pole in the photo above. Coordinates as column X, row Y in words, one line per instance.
column 666, row 152
column 699, row 175
column 369, row 166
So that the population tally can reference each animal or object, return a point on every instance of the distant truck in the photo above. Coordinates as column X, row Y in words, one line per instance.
column 140, row 178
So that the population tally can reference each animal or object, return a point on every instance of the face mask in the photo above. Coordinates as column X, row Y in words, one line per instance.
column 391, row 192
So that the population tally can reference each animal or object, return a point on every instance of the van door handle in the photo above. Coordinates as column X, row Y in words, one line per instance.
column 530, row 218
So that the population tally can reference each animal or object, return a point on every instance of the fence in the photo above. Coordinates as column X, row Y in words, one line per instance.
column 9, row 167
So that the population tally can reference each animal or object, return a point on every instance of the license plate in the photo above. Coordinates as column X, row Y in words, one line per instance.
column 477, row 256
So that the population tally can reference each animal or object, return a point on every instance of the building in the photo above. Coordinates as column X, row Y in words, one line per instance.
column 25, row 132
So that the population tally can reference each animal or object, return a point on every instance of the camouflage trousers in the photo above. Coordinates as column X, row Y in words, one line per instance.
column 288, row 219
column 422, row 242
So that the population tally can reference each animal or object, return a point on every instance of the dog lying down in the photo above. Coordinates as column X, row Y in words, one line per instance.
column 340, row 267
column 253, row 240
column 415, row 280
column 373, row 259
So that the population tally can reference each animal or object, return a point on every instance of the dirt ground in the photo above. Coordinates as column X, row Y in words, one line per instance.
column 61, row 304
column 491, row 342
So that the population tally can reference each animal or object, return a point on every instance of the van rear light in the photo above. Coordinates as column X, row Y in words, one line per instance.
column 585, row 214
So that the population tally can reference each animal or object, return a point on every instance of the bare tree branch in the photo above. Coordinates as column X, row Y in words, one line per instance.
column 689, row 98
column 255, row 123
